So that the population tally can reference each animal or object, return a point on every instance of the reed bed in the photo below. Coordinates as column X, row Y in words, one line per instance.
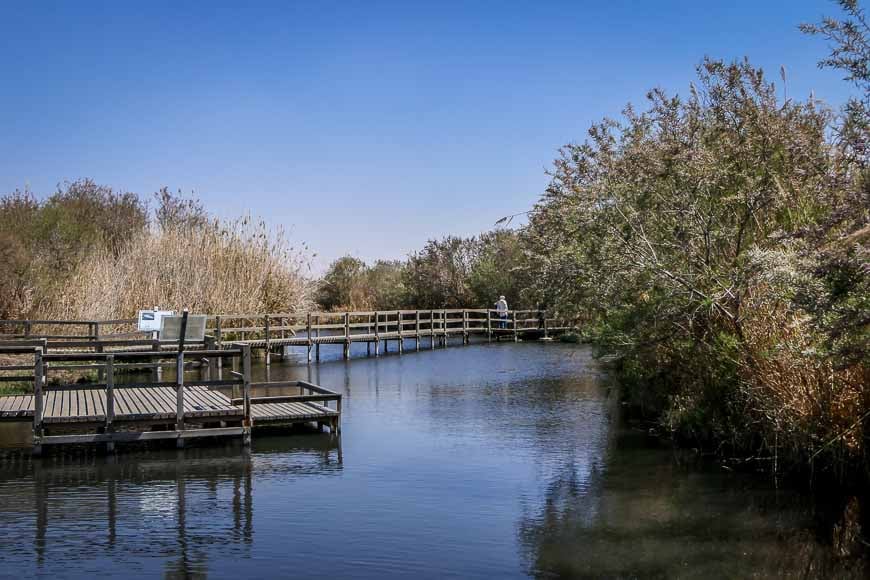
column 216, row 267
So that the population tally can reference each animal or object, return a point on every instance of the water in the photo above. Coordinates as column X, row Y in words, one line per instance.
column 489, row 461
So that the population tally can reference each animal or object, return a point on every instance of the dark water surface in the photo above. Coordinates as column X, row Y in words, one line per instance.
column 489, row 461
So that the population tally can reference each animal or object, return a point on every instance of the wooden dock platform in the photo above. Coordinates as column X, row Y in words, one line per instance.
column 109, row 413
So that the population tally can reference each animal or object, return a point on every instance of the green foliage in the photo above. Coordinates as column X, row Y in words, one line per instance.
column 43, row 242
column 344, row 285
column 717, row 243
column 386, row 284
column 438, row 275
column 452, row 272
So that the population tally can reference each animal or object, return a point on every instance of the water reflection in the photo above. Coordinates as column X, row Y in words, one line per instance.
column 503, row 461
column 144, row 507
column 655, row 513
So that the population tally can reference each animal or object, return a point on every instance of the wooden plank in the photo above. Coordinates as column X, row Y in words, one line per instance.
column 167, row 399
column 77, row 408
column 154, row 399
column 6, row 403
column 143, row 405
column 63, row 409
column 121, row 406
column 196, row 402
column 219, row 398
column 49, row 403
column 129, row 436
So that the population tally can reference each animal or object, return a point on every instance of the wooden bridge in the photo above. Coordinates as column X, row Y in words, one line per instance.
column 271, row 333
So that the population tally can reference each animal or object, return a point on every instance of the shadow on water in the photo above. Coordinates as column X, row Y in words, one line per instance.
column 489, row 461
column 660, row 513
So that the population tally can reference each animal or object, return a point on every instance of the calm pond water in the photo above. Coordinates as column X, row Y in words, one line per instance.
column 489, row 461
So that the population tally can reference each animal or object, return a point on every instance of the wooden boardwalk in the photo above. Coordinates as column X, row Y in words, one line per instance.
column 272, row 333
column 105, row 412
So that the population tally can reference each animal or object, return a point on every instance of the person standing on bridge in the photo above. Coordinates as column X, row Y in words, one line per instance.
column 502, row 308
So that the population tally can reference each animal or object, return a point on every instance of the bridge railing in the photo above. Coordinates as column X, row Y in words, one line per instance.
column 266, row 329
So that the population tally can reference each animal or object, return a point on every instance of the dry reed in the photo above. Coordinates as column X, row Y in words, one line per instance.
column 217, row 268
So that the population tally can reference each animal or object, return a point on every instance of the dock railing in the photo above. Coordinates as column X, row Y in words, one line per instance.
column 308, row 393
column 83, row 403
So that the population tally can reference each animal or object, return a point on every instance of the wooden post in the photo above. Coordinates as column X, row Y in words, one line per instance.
column 100, row 371
column 417, row 330
column 489, row 325
column 268, row 342
column 179, row 397
column 346, row 335
column 96, row 331
column 157, row 371
column 377, row 334
column 218, row 344
column 432, row 329
column 516, row 336
column 38, row 383
column 110, row 399
column 28, row 328
column 444, row 326
column 246, row 394
column 212, row 361
column 317, row 335
column 465, row 327
column 545, row 323
column 399, row 325
column 308, row 334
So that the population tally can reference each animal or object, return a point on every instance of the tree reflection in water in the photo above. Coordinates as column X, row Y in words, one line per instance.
column 651, row 514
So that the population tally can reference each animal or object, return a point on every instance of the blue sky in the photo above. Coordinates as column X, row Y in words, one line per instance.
column 362, row 127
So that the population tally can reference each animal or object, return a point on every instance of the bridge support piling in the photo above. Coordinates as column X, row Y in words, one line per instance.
column 268, row 348
column 346, row 335
column 308, row 335
column 399, row 325
column 317, row 335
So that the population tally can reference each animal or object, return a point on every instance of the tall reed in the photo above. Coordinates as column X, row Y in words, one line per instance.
column 215, row 267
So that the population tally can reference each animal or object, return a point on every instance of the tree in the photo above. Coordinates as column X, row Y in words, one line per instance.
column 438, row 275
column 386, row 285
column 498, row 268
column 684, row 233
column 343, row 286
column 174, row 211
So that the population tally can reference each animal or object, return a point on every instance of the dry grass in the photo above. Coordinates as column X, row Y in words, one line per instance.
column 227, row 268
column 809, row 407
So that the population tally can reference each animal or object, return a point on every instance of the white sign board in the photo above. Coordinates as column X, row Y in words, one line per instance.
column 170, row 327
column 149, row 320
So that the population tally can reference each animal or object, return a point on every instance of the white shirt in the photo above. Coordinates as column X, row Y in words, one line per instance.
column 501, row 306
